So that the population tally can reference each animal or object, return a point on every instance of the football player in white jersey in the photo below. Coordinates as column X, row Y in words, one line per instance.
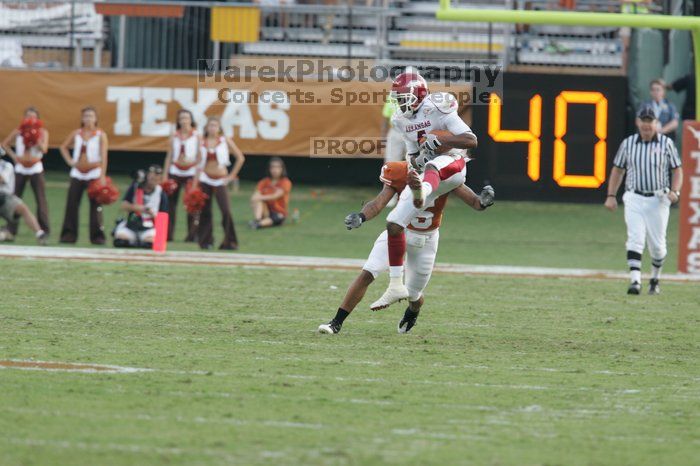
column 436, row 140
column 422, row 237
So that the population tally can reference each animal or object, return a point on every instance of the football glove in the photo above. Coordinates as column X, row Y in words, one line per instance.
column 430, row 143
column 487, row 196
column 354, row 220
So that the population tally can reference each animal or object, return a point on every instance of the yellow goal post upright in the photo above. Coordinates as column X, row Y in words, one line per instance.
column 574, row 18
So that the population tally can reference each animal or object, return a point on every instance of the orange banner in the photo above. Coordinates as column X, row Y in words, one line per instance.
column 689, row 229
column 137, row 110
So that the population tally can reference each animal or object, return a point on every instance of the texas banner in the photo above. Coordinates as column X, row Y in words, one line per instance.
column 137, row 110
column 689, row 228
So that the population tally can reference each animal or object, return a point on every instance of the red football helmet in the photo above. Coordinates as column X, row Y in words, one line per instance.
column 408, row 90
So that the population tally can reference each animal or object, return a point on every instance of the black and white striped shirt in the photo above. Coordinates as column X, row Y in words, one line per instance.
column 647, row 163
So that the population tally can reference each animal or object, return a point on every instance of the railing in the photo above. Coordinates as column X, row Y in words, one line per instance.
column 173, row 35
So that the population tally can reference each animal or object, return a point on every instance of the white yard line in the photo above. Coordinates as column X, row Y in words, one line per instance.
column 54, row 366
column 261, row 260
column 277, row 423
column 118, row 447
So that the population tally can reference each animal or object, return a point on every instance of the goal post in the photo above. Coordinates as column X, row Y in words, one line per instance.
column 574, row 18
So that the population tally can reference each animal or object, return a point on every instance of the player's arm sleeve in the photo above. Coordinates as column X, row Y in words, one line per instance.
column 456, row 125
column 673, row 157
column 620, row 160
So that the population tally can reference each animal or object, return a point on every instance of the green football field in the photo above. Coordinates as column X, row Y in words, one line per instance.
column 222, row 365
column 510, row 233
column 213, row 365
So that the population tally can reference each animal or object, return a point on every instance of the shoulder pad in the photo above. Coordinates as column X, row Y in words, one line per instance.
column 444, row 101
column 397, row 120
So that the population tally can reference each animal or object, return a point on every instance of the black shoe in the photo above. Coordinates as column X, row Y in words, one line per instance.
column 330, row 328
column 654, row 286
column 635, row 288
column 408, row 321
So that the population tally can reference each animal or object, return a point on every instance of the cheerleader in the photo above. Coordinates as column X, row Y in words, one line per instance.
column 88, row 163
column 213, row 178
column 31, row 142
column 181, row 162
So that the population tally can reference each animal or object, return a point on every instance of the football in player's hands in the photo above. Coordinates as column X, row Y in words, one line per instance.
column 353, row 220
column 431, row 142
column 487, row 196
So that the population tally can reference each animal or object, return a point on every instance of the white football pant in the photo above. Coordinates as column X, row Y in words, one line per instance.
column 421, row 249
column 405, row 212
column 646, row 219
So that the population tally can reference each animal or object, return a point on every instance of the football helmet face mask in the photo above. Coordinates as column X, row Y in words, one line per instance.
column 408, row 90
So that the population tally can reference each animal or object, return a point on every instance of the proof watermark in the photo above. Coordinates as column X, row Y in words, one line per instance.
column 347, row 147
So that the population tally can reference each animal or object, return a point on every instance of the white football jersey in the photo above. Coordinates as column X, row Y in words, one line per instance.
column 438, row 111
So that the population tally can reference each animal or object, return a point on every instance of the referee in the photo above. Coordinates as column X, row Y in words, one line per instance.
column 646, row 157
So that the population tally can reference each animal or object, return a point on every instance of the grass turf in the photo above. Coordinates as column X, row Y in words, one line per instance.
column 510, row 233
column 499, row 371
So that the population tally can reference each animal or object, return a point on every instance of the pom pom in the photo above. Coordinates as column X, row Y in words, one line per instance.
column 30, row 130
column 104, row 194
column 194, row 199
column 169, row 186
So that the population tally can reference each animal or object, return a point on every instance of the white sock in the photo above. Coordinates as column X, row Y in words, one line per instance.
column 39, row 233
column 636, row 276
column 655, row 272
column 396, row 271
column 423, row 192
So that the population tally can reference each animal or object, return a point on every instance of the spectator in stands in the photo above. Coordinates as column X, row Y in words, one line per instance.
column 88, row 163
column 665, row 111
column 270, row 202
column 31, row 142
column 142, row 202
column 181, row 161
column 11, row 205
column 213, row 178
column 687, row 84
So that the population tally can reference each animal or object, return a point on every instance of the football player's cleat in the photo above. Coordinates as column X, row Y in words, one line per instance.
column 634, row 288
column 408, row 321
column 654, row 286
column 330, row 328
column 396, row 292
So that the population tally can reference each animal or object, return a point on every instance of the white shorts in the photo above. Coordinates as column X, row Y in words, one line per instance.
column 134, row 237
column 421, row 249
